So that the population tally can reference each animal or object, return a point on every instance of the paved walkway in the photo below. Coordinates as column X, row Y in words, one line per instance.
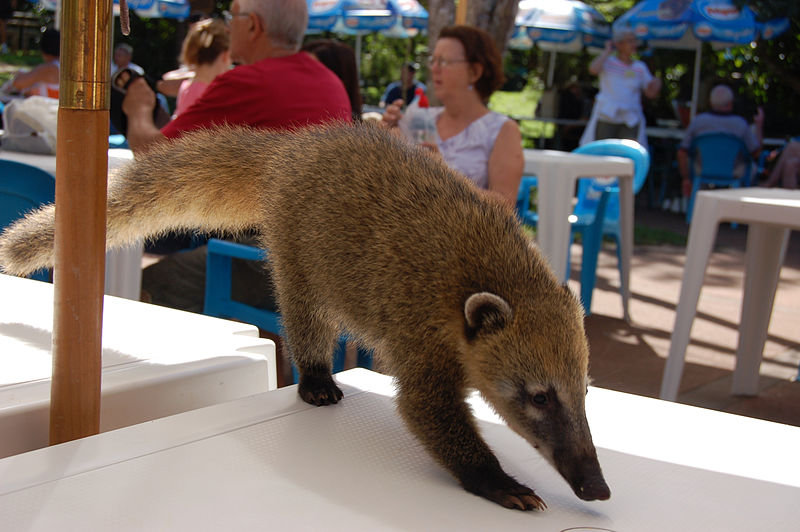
column 631, row 357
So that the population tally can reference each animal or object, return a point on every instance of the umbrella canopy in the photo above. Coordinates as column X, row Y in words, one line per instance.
column 562, row 25
column 395, row 18
column 667, row 24
column 178, row 9
column 558, row 26
column 365, row 16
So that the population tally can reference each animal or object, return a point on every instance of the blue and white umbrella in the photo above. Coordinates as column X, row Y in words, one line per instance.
column 178, row 9
column 689, row 23
column 396, row 18
column 559, row 26
column 562, row 25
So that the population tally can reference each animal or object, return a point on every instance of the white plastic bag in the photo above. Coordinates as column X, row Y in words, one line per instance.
column 30, row 125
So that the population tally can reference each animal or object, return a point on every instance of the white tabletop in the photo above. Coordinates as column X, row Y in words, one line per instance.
column 156, row 362
column 116, row 158
column 272, row 462
column 557, row 172
column 124, row 265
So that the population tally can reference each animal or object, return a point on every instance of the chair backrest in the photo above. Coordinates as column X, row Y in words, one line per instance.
column 590, row 190
column 24, row 188
column 524, row 196
column 219, row 301
column 719, row 155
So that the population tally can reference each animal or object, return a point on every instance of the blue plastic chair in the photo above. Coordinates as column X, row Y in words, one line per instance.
column 591, row 219
column 117, row 141
column 24, row 188
column 719, row 156
column 219, row 303
column 592, row 235
column 527, row 212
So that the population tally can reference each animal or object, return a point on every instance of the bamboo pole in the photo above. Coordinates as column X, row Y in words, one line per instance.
column 81, row 172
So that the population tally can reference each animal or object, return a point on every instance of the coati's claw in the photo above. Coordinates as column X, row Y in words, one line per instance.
column 504, row 490
column 319, row 390
column 522, row 501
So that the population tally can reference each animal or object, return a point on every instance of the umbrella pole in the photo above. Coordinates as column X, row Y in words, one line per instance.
column 461, row 11
column 81, row 172
column 551, row 69
column 696, row 79
column 358, row 55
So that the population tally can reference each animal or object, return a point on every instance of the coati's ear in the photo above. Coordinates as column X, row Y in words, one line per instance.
column 486, row 311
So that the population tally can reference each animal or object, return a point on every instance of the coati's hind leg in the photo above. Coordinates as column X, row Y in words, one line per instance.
column 433, row 405
column 311, row 341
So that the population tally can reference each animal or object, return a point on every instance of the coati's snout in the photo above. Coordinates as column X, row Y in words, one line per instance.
column 583, row 475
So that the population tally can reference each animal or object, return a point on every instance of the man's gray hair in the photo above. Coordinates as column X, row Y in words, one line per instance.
column 285, row 21
column 721, row 97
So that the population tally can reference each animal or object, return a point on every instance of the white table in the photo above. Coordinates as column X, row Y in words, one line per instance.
column 272, row 462
column 557, row 172
column 123, row 266
column 156, row 362
column 770, row 214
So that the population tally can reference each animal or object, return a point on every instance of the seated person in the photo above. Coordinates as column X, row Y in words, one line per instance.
column 123, row 58
column 43, row 79
column 394, row 90
column 341, row 60
column 720, row 119
column 572, row 105
column 274, row 86
column 785, row 172
column 205, row 52
column 485, row 146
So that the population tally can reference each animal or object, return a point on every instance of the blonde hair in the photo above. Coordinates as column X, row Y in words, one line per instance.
column 204, row 42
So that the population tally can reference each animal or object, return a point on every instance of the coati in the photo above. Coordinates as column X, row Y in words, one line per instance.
column 369, row 234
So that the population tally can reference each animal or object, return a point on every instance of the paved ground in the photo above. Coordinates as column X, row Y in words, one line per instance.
column 630, row 357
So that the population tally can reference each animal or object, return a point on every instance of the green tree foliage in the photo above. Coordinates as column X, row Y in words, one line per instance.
column 765, row 74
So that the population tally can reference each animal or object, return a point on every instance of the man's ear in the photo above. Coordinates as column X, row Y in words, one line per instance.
column 486, row 312
column 255, row 27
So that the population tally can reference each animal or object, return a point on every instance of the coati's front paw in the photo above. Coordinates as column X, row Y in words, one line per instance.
column 502, row 489
column 319, row 390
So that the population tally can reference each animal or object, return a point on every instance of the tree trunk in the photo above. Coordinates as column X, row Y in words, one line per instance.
column 496, row 17
column 441, row 13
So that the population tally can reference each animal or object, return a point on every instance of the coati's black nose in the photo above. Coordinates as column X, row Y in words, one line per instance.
column 594, row 489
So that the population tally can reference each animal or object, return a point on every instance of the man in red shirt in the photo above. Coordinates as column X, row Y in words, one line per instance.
column 274, row 86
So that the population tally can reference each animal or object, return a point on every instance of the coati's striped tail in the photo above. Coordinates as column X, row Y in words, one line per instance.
column 177, row 185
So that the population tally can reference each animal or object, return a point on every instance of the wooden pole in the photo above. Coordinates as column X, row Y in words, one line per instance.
column 81, row 172
column 461, row 11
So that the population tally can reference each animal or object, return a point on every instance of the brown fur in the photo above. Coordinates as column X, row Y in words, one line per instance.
column 373, row 236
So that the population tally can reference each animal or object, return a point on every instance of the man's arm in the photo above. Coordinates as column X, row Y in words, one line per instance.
column 758, row 131
column 44, row 73
column 596, row 66
column 652, row 88
column 138, row 107
column 683, row 169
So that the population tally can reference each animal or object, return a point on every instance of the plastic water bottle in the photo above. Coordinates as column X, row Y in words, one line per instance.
column 419, row 120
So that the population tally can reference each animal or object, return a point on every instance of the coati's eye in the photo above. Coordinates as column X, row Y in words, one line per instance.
column 539, row 399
